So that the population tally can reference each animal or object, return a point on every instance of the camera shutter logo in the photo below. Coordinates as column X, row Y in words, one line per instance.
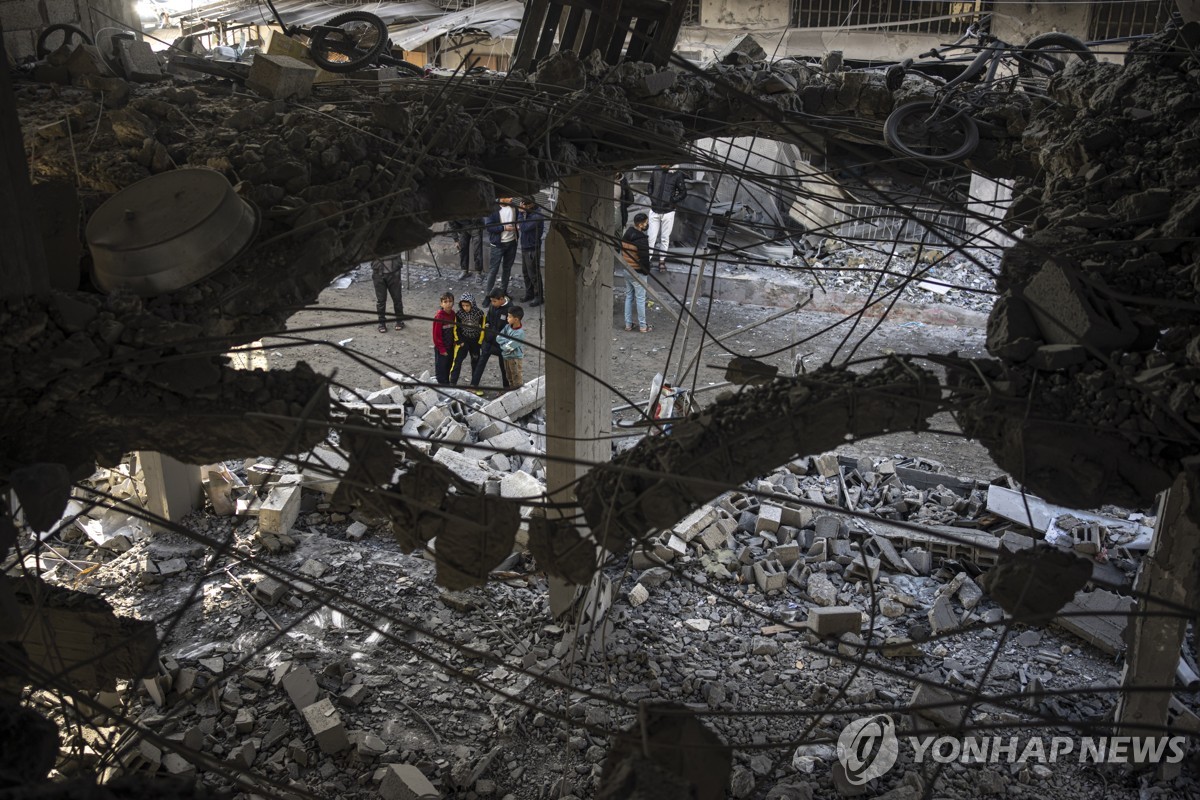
column 868, row 748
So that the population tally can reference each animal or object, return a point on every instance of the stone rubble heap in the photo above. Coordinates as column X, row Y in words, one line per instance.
column 964, row 279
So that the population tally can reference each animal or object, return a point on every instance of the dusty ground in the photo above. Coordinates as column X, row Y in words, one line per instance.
column 347, row 316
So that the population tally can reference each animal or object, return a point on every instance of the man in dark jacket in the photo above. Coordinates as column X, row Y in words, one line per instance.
column 667, row 189
column 493, row 323
column 531, row 223
column 635, row 255
column 385, row 274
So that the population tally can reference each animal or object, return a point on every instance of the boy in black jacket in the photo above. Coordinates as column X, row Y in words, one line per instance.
column 468, row 334
column 635, row 254
column 493, row 323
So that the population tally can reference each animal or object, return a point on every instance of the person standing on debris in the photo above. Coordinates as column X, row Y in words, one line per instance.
column 512, row 348
column 667, row 189
column 468, row 232
column 468, row 333
column 444, row 323
column 493, row 324
column 531, row 223
column 502, row 234
column 385, row 274
column 626, row 198
column 635, row 254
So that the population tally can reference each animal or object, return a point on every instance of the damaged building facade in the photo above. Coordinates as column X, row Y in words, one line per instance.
column 405, row 590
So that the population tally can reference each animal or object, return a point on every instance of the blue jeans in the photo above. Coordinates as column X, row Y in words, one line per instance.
column 634, row 289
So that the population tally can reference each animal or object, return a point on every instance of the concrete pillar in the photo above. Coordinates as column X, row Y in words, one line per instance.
column 1167, row 574
column 172, row 487
column 579, row 308
column 22, row 260
column 987, row 204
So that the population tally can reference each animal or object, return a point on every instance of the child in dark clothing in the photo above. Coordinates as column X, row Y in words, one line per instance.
column 512, row 348
column 444, row 323
column 468, row 334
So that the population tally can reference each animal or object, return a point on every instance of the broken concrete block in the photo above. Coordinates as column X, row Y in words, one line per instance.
column 353, row 696
column 406, row 782
column 367, row 745
column 315, row 569
column 521, row 485
column 919, row 560
column 741, row 49
column 1098, row 617
column 270, row 591
column 301, row 687
column 947, row 714
column 969, row 593
column 139, row 61
column 466, row 468
column 821, row 589
column 770, row 575
column 178, row 766
column 942, row 617
column 834, row 620
column 243, row 755
column 863, row 567
column 280, row 508
column 172, row 566
column 713, row 537
column 827, row 527
column 827, row 465
column 638, row 595
column 696, row 523
column 769, row 519
column 355, row 531
column 326, row 726
column 786, row 554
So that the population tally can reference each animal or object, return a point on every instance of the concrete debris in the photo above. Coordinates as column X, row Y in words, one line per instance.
column 406, row 782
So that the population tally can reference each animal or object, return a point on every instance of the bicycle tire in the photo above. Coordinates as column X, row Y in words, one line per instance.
column 908, row 135
column 1041, row 49
column 69, row 32
column 351, row 50
column 407, row 67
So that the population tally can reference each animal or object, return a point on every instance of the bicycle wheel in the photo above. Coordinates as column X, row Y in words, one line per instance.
column 348, row 41
column 929, row 132
column 1046, row 56
column 69, row 32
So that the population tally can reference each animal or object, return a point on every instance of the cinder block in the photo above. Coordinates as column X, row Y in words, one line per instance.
column 696, row 523
column 769, row 519
column 770, row 575
column 857, row 570
column 834, row 620
column 713, row 537
column 270, row 591
column 326, row 726
column 786, row 554
column 139, row 61
column 921, row 560
column 638, row 595
column 406, row 782
column 828, row 527
column 513, row 440
column 301, row 687
column 464, row 467
column 280, row 508
column 827, row 464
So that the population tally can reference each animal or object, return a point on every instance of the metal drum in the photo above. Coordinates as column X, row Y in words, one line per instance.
column 168, row 231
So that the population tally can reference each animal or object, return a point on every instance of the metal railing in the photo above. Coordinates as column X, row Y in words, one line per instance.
column 1114, row 19
column 920, row 224
column 903, row 15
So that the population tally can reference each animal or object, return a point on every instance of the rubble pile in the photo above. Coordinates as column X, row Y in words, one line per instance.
column 333, row 664
column 928, row 276
column 1096, row 328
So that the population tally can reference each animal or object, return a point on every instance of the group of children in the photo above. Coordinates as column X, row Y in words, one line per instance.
column 470, row 332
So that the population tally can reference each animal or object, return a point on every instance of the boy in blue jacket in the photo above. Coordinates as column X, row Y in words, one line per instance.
column 512, row 349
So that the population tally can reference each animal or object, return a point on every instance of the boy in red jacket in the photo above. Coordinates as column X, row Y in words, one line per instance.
column 443, row 339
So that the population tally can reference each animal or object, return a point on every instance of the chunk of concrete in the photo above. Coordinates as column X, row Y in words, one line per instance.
column 769, row 519
column 695, row 523
column 139, row 61
column 942, row 617
column 468, row 469
column 638, row 595
column 521, row 485
column 406, row 782
column 280, row 508
column 948, row 712
column 301, row 687
column 835, row 620
column 270, row 591
column 821, row 589
column 326, row 726
column 770, row 575
column 1070, row 310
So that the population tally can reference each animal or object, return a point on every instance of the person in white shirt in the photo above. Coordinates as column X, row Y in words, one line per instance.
column 502, row 233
